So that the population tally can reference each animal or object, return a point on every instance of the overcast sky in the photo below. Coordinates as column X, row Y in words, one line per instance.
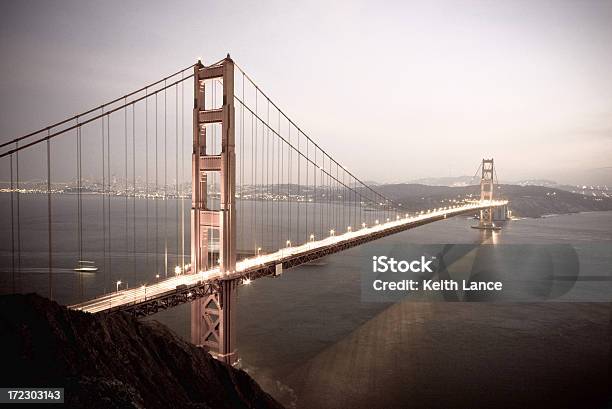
column 395, row 90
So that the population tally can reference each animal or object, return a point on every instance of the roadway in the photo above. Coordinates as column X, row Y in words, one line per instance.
column 246, row 267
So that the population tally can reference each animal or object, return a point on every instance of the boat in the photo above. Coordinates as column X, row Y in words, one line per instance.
column 84, row 266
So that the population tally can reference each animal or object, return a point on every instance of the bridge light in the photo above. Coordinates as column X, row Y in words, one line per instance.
column 387, row 220
column 312, row 237
column 157, row 276
column 288, row 243
column 332, row 232
column 397, row 217
column 258, row 251
column 349, row 228
column 118, row 284
column 246, row 281
column 363, row 225
column 177, row 270
column 376, row 221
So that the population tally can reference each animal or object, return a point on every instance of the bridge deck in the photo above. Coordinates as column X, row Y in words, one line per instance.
column 167, row 293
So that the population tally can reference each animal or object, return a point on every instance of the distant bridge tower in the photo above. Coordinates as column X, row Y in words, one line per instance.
column 486, row 193
column 212, row 317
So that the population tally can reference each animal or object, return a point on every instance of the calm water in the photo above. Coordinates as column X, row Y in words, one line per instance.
column 303, row 334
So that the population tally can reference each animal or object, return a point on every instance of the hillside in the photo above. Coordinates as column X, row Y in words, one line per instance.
column 114, row 361
column 525, row 201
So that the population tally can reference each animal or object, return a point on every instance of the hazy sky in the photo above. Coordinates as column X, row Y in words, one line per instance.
column 394, row 90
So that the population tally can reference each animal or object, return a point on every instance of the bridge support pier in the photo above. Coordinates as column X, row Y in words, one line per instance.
column 487, row 188
column 212, row 318
column 212, row 322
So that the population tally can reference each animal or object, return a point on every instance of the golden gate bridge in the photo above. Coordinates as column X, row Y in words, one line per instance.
column 265, row 197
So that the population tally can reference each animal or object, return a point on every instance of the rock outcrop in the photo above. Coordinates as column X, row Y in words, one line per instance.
column 114, row 361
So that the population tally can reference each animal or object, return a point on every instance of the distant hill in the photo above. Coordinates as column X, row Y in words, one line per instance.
column 525, row 201
column 446, row 181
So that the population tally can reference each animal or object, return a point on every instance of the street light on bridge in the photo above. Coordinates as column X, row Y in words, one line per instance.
column 118, row 284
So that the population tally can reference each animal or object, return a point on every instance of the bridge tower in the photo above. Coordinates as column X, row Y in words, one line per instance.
column 212, row 317
column 486, row 193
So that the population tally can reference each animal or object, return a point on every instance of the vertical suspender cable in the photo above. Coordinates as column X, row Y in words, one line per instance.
column 165, row 181
column 289, row 182
column 242, row 201
column 253, row 245
column 258, row 184
column 176, row 177
column 318, row 201
column 12, row 229
column 134, row 189
column 182, row 171
column 106, row 277
column 278, row 186
column 18, row 218
column 79, row 208
column 147, row 181
column 268, row 172
column 306, row 191
column 156, row 192
column 125, row 193
column 108, row 209
column 49, row 222
column 298, row 238
column 256, row 187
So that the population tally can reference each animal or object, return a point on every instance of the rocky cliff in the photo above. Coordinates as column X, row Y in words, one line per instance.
column 114, row 361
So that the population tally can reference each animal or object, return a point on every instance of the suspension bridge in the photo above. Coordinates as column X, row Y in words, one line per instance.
column 265, row 197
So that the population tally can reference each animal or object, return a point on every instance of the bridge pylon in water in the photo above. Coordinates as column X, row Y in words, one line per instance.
column 212, row 317
column 487, row 188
